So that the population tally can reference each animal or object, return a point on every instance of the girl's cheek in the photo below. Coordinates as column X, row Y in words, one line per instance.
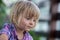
column 34, row 25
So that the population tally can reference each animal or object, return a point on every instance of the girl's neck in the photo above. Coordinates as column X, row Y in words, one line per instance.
column 19, row 33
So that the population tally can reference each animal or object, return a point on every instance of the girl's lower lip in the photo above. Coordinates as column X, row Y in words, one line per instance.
column 29, row 27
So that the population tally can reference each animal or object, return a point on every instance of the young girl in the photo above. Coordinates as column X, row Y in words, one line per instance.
column 24, row 16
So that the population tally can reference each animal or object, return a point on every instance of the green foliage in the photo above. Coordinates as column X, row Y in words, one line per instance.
column 2, row 13
column 34, row 35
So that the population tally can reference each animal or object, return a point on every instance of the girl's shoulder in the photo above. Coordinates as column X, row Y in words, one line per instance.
column 6, row 29
column 4, row 32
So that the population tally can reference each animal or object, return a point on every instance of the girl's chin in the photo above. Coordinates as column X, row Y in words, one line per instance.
column 27, row 29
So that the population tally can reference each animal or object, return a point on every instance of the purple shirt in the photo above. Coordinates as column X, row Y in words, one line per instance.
column 10, row 31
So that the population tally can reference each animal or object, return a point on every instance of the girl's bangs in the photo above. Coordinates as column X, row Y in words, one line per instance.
column 31, row 13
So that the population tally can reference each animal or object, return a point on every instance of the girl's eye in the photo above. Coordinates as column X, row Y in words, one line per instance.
column 34, row 20
column 28, row 18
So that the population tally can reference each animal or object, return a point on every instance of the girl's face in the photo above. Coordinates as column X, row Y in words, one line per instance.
column 26, row 23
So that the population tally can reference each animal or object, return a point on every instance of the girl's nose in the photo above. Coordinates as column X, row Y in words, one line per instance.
column 31, row 23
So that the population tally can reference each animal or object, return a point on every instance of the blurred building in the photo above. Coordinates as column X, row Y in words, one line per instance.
column 55, row 20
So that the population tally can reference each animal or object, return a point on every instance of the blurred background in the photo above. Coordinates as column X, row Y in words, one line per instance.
column 48, row 27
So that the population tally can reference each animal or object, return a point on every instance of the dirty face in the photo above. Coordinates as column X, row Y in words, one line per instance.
column 26, row 23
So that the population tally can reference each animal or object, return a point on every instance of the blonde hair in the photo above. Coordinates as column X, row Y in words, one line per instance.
column 24, row 7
